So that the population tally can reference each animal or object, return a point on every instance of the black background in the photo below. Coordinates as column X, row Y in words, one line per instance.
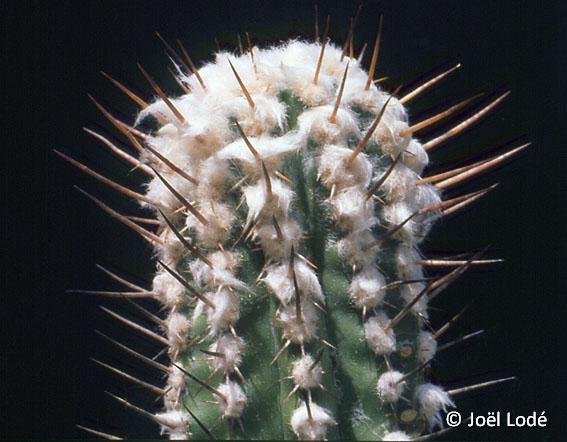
column 53, row 52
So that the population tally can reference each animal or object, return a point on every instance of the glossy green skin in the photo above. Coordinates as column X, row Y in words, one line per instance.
column 351, row 371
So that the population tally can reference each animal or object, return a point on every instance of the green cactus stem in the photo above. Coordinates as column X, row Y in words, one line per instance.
column 287, row 194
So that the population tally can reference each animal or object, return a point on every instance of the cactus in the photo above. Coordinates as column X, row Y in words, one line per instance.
column 287, row 208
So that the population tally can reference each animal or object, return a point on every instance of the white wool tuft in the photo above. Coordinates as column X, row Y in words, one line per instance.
column 351, row 209
column 213, row 175
column 226, row 311
column 416, row 198
column 396, row 436
column 388, row 387
column 398, row 212
column 177, row 326
column 231, row 347
column 271, row 150
column 168, row 289
column 156, row 191
column 220, row 218
column 300, row 81
column 380, row 341
column 173, row 422
column 387, row 135
column 222, row 272
column 415, row 156
column 424, row 196
column 175, row 387
column 234, row 400
column 274, row 248
column 280, row 282
column 176, row 377
column 268, row 113
column 366, row 288
column 352, row 249
column 206, row 133
column 311, row 429
column 396, row 109
column 314, row 123
column 305, row 375
column 333, row 169
column 169, row 143
column 172, row 250
column 426, row 346
column 167, row 131
column 298, row 330
column 264, row 206
column 355, row 94
column 225, row 260
column 400, row 183
column 432, row 399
